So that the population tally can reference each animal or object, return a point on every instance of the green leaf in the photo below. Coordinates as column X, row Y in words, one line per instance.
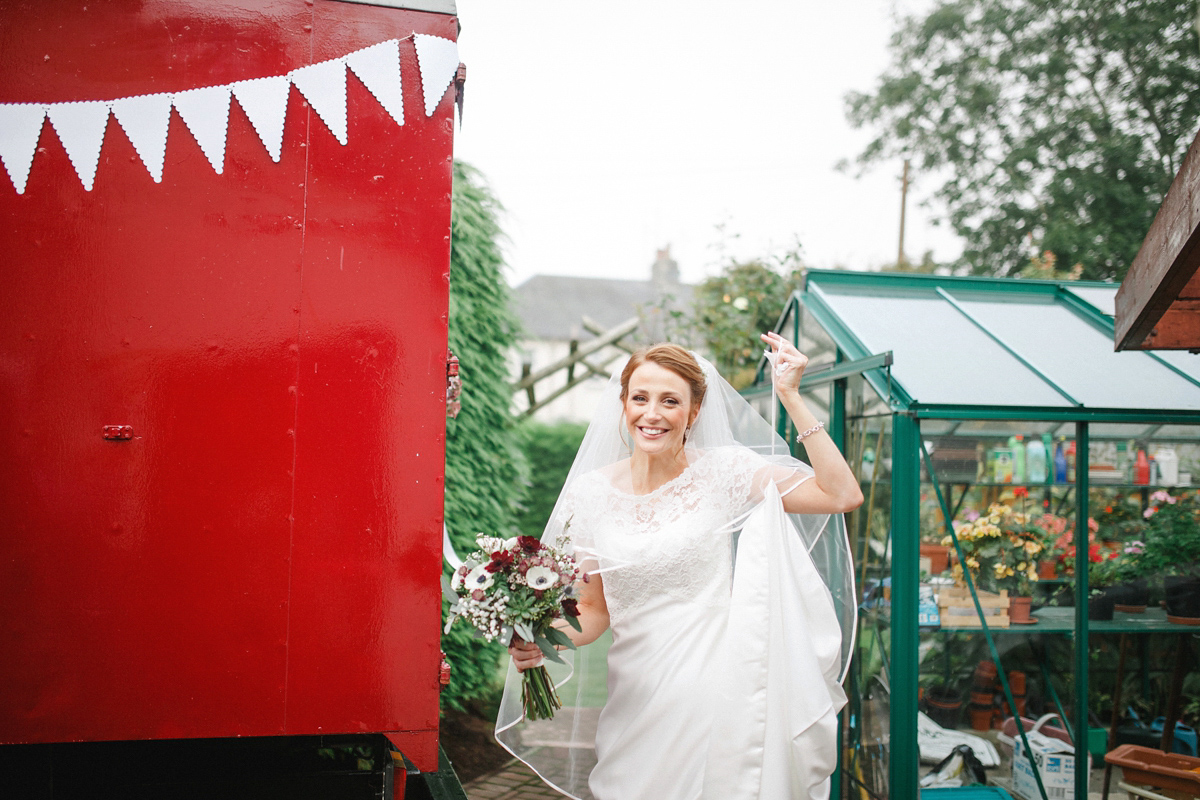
column 557, row 637
column 548, row 650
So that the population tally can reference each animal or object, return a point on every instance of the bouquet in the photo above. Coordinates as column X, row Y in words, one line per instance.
column 519, row 587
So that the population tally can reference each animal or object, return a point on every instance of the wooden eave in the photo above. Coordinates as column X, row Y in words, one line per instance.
column 1158, row 304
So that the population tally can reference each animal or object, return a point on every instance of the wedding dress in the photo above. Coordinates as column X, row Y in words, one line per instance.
column 723, row 672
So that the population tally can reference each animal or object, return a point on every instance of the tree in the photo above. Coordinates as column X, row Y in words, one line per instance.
column 1060, row 123
column 733, row 308
column 485, row 468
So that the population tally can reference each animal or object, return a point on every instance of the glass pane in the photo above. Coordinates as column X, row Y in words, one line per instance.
column 869, row 682
column 1104, row 298
column 939, row 355
column 1079, row 357
column 1188, row 363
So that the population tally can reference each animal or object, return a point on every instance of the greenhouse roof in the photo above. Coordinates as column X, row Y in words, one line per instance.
column 997, row 343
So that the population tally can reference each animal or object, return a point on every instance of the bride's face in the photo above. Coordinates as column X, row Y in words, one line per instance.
column 658, row 409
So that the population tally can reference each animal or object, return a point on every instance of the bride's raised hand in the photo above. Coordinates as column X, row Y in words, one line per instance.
column 525, row 655
column 789, row 362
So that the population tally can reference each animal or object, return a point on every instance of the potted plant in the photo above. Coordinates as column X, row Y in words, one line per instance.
column 1054, row 544
column 1171, row 556
column 1103, row 576
column 1001, row 549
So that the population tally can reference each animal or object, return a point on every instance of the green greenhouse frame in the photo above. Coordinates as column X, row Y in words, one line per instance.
column 938, row 352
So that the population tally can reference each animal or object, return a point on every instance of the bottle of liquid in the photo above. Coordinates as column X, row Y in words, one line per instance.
column 1123, row 462
column 1035, row 461
column 1004, row 464
column 1060, row 462
column 1141, row 468
column 1048, row 447
column 1071, row 461
column 1017, row 445
column 1168, row 466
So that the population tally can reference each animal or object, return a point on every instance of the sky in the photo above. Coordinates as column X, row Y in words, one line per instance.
column 610, row 130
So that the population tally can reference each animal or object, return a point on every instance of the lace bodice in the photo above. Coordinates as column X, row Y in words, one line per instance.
column 673, row 544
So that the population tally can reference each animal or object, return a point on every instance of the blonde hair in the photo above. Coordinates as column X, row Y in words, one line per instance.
column 674, row 358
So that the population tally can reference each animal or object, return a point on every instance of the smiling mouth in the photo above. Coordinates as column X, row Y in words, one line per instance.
column 652, row 431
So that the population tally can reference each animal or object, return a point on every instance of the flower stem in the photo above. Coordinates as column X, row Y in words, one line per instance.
column 538, row 695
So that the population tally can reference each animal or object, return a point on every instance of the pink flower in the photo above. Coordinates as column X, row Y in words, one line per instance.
column 1149, row 512
column 1161, row 496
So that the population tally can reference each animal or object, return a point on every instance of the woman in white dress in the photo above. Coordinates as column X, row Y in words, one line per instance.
column 721, row 682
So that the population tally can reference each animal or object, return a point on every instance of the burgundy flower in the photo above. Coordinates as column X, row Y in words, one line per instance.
column 529, row 544
column 500, row 560
column 570, row 606
column 478, row 595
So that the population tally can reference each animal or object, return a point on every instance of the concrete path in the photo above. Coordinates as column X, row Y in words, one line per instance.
column 513, row 781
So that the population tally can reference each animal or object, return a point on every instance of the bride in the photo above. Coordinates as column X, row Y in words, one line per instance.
column 721, row 682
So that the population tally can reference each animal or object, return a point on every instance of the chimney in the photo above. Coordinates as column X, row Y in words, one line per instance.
column 664, row 272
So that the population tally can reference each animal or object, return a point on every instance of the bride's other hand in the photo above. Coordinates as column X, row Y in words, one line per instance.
column 525, row 655
column 789, row 362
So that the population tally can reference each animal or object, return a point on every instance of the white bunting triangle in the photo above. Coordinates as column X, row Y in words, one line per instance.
column 378, row 67
column 265, row 102
column 144, row 119
column 438, row 60
column 206, row 114
column 20, row 129
column 324, row 86
column 80, row 127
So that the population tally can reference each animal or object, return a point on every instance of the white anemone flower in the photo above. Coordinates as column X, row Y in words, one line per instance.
column 510, row 544
column 541, row 578
column 479, row 578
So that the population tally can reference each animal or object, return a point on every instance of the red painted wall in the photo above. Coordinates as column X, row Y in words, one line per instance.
column 263, row 557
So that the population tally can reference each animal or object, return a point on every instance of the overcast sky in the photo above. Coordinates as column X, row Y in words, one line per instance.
column 609, row 130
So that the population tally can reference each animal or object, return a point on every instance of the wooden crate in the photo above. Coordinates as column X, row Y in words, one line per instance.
column 957, row 609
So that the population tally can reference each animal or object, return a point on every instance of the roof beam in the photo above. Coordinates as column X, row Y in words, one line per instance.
column 1165, row 271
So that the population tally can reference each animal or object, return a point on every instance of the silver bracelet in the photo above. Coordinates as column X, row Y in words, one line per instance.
column 800, row 437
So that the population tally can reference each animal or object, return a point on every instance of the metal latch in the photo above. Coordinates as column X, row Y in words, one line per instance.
column 118, row 433
column 453, row 386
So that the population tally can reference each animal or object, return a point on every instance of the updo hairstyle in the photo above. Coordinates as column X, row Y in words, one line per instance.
column 674, row 358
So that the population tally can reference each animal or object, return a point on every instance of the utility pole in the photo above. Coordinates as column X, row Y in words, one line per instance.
column 900, row 259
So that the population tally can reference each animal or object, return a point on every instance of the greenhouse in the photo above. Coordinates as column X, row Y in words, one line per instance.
column 993, row 426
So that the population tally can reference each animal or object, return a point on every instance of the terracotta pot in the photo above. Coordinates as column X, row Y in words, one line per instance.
column 1047, row 570
column 938, row 555
column 943, row 706
column 1018, row 609
column 985, row 675
column 980, row 717
column 1016, row 682
column 979, row 698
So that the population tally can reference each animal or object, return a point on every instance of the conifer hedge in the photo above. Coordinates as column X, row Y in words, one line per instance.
column 486, row 473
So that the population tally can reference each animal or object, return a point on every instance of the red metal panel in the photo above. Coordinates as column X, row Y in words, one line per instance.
column 262, row 557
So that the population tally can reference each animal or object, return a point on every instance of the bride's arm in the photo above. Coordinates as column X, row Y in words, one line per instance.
column 593, row 619
column 833, row 488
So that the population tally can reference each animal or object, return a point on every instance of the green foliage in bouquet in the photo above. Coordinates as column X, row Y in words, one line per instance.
column 485, row 468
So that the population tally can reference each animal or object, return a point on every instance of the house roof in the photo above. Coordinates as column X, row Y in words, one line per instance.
column 553, row 306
